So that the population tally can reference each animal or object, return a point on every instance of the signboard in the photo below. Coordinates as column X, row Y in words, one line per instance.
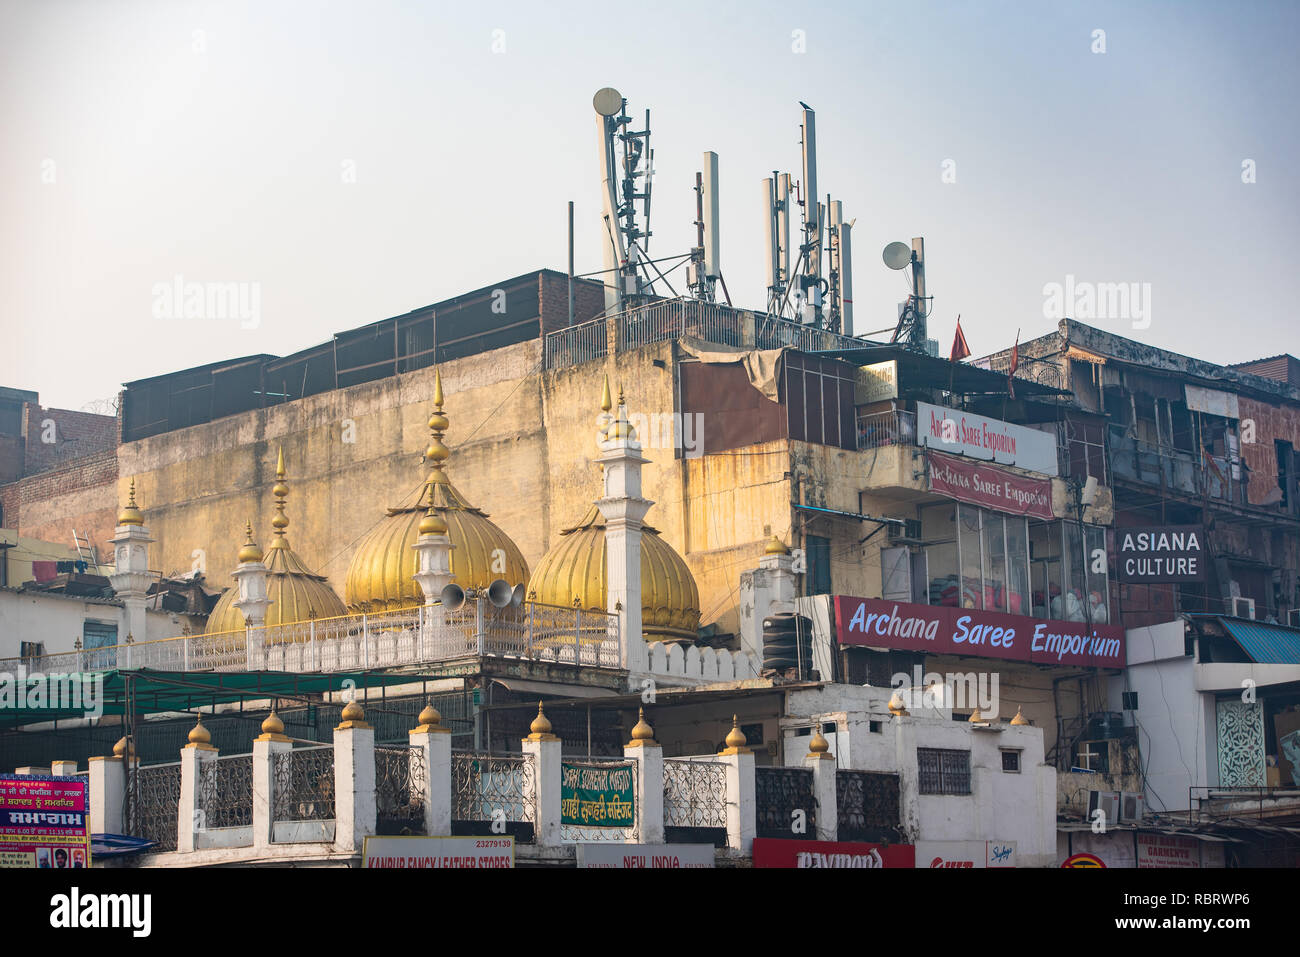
column 1211, row 401
column 1168, row 850
column 965, row 854
column 979, row 437
column 597, row 795
column 1161, row 553
column 422, row 853
column 990, row 487
column 44, row 822
column 774, row 852
column 650, row 856
column 876, row 383
column 941, row 630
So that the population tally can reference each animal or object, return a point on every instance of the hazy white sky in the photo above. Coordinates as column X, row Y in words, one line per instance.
column 149, row 140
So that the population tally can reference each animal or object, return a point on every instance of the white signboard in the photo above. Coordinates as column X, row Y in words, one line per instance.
column 1212, row 401
column 979, row 437
column 664, row 856
column 417, row 853
column 1168, row 850
column 965, row 854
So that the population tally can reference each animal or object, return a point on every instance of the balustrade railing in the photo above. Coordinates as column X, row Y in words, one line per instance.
column 401, row 778
column 304, row 784
column 695, row 801
column 492, row 788
column 785, row 804
column 152, row 796
column 226, row 792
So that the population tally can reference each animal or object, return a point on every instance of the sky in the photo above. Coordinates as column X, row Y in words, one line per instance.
column 347, row 162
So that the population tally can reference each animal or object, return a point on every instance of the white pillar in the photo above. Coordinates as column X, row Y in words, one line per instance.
column 190, row 815
column 624, row 509
column 545, row 751
column 909, row 788
column 107, row 793
column 355, row 810
column 131, row 578
column 649, row 757
column 742, row 803
column 266, row 746
column 63, row 769
column 765, row 590
column 435, row 741
column 434, row 553
column 823, row 765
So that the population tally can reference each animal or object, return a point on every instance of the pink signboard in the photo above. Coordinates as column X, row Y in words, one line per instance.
column 940, row 630
column 44, row 822
column 990, row 487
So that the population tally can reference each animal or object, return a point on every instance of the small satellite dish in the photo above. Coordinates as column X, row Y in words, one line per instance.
column 897, row 255
column 607, row 101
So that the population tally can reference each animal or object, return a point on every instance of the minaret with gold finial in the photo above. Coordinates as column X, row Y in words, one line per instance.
column 624, row 511
column 765, row 590
column 433, row 546
column 251, row 575
column 131, row 578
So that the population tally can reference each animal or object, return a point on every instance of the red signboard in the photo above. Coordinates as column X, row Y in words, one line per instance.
column 941, row 630
column 991, row 487
column 44, row 822
column 773, row 852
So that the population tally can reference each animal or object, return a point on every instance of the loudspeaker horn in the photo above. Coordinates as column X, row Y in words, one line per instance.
column 453, row 597
column 517, row 596
column 499, row 593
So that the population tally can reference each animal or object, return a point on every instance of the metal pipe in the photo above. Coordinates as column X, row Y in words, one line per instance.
column 570, row 262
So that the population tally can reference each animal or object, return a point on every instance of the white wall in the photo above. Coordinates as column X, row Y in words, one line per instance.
column 59, row 621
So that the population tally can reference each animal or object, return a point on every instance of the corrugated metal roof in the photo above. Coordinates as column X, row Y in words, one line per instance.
column 1265, row 643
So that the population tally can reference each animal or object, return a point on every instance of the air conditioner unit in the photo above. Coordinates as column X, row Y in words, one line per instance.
column 1243, row 608
column 1293, row 617
column 1132, row 806
column 1108, row 802
column 909, row 531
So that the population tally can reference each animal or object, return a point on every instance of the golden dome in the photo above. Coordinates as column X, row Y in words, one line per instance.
column 430, row 716
column 199, row 734
column 273, row 724
column 573, row 572
column 776, row 547
column 250, row 552
column 642, row 733
column 381, row 574
column 541, row 724
column 353, row 711
column 819, row 744
column 130, row 515
column 1019, row 719
column 296, row 592
column 119, row 749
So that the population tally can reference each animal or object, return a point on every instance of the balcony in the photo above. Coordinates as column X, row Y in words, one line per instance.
column 883, row 429
column 1177, row 471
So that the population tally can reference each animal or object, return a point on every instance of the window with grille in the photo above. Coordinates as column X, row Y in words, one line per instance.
column 943, row 771
column 1010, row 760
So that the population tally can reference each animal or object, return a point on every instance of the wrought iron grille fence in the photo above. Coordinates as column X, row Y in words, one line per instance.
column 152, row 802
column 304, row 785
column 867, row 806
column 695, row 801
column 226, row 792
column 488, row 788
column 779, row 794
column 401, row 776
column 579, row 833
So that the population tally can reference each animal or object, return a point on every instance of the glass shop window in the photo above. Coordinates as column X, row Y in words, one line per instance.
column 968, row 551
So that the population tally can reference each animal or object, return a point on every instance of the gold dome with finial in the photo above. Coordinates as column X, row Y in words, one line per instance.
column 775, row 547
column 819, row 744
column 620, row 428
column 541, row 724
column 130, row 514
column 119, row 749
column 296, row 592
column 735, row 739
column 250, row 552
column 976, row 717
column 642, row 733
column 198, row 734
column 272, row 724
column 1019, row 719
column 572, row 574
column 380, row 575
column 430, row 716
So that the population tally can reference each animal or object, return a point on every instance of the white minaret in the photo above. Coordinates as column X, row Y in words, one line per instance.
column 131, row 579
column 765, row 590
column 250, row 577
column 624, row 511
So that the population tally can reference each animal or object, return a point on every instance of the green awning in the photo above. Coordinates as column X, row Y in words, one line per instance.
column 153, row 691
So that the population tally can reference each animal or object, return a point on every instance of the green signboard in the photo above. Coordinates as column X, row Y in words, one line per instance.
column 597, row 795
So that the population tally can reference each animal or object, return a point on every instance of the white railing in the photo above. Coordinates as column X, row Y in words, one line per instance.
column 407, row 636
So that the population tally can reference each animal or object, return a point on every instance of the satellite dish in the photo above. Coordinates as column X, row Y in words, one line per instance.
column 608, row 101
column 453, row 597
column 897, row 255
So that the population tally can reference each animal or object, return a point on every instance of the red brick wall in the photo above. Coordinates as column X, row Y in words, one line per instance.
column 553, row 291
column 1271, row 422
column 75, row 435
column 86, row 490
